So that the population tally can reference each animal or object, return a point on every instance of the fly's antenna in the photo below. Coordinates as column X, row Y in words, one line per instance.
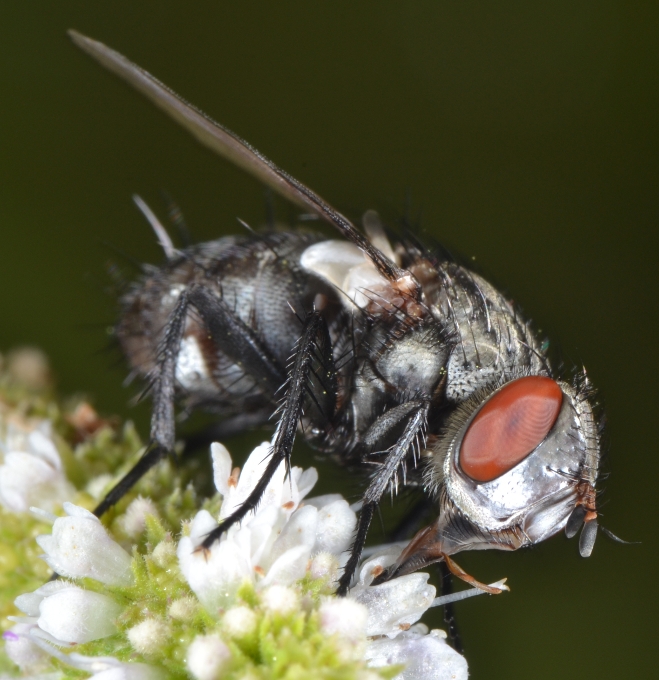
column 161, row 234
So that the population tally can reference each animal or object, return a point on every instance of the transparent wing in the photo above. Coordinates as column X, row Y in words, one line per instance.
column 230, row 146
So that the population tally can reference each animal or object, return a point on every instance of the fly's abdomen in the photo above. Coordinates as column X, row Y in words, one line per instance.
column 261, row 283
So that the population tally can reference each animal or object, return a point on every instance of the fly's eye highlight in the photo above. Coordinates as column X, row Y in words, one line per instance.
column 511, row 424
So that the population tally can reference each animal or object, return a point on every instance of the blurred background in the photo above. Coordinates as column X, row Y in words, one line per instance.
column 526, row 135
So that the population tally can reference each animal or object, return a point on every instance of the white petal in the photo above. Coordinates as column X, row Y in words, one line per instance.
column 214, row 576
column 80, row 547
column 305, row 481
column 40, row 444
column 78, row 616
column 326, row 499
column 29, row 602
column 379, row 561
column 336, row 525
column 300, row 529
column 324, row 565
column 288, row 568
column 207, row 657
column 221, row 467
column 262, row 535
column 427, row 657
column 395, row 605
column 249, row 477
column 26, row 480
column 202, row 524
column 73, row 510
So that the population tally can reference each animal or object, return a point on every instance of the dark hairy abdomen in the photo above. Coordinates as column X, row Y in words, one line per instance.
column 259, row 279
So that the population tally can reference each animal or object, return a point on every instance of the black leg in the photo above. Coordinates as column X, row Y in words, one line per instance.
column 296, row 393
column 409, row 525
column 383, row 479
column 233, row 338
column 238, row 341
column 388, row 425
column 162, row 384
column 446, row 583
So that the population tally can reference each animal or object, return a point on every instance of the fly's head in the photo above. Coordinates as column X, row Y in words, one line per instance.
column 515, row 464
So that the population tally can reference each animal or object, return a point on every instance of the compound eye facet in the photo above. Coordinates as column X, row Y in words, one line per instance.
column 509, row 427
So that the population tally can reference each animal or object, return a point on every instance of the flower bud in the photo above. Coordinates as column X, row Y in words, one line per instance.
column 207, row 657
column 343, row 616
column 74, row 615
column 80, row 547
column 280, row 599
column 28, row 656
column 149, row 636
column 239, row 622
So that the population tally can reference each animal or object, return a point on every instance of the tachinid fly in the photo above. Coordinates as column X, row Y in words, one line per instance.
column 379, row 353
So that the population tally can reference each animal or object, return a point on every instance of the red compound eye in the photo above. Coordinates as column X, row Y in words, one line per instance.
column 510, row 425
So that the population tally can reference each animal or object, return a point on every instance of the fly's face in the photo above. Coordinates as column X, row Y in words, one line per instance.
column 523, row 460
column 515, row 465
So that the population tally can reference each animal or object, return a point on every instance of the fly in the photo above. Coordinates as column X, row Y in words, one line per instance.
column 383, row 354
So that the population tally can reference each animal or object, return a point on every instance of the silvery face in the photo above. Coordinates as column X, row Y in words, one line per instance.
column 535, row 498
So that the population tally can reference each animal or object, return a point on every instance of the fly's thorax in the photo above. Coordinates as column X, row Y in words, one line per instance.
column 491, row 337
column 518, row 457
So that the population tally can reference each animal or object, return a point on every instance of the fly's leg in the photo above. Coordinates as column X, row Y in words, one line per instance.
column 386, row 475
column 237, row 341
column 446, row 587
column 409, row 525
column 297, row 394
column 162, row 417
column 231, row 336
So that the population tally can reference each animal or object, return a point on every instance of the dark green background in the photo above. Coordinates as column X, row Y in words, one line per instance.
column 527, row 135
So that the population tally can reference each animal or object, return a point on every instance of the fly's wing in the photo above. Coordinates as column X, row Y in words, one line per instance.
column 227, row 144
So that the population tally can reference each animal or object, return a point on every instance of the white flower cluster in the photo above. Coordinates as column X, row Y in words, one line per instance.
column 287, row 538
column 31, row 471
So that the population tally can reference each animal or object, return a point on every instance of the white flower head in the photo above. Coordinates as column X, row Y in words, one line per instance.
column 285, row 539
column 79, row 546
column 272, row 545
column 31, row 472
column 69, row 614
